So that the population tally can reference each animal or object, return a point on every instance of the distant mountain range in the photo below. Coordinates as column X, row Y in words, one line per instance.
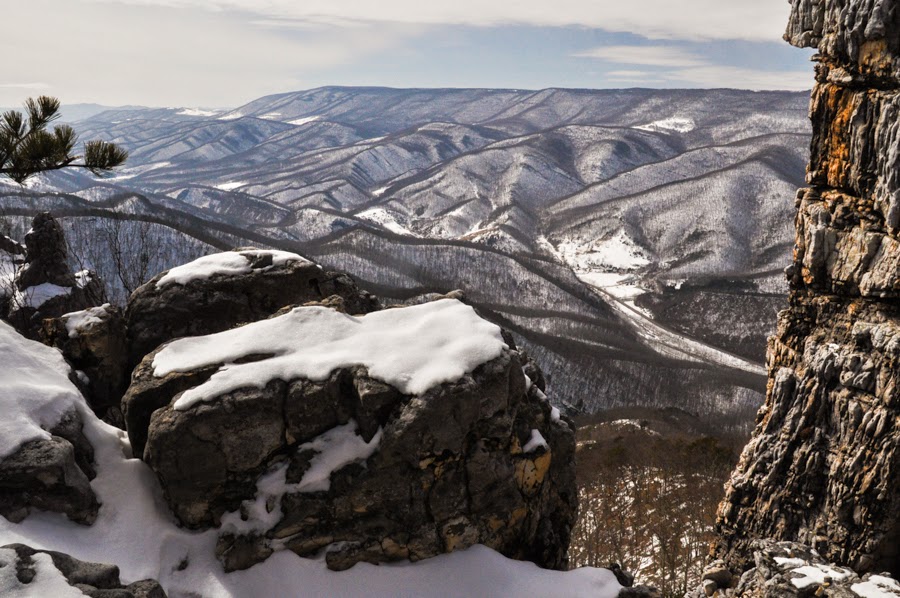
column 632, row 239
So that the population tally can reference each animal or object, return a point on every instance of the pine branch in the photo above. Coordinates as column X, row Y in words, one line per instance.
column 101, row 156
column 27, row 148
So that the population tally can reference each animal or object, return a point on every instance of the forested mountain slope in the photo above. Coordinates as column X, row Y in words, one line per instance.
column 633, row 239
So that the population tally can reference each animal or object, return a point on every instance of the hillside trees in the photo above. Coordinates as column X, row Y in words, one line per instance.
column 28, row 147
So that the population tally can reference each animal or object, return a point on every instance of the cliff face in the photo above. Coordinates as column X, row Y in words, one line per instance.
column 823, row 466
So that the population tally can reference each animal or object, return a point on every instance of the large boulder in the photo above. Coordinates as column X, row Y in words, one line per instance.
column 402, row 434
column 220, row 291
column 25, row 571
column 94, row 342
column 45, row 286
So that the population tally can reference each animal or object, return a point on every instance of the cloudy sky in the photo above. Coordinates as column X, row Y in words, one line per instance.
column 218, row 53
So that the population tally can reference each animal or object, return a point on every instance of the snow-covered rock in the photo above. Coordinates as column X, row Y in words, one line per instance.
column 45, row 461
column 93, row 341
column 404, row 433
column 219, row 291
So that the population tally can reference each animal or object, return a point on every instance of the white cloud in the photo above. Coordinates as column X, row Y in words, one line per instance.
column 627, row 74
column 662, row 56
column 678, row 67
column 757, row 20
column 743, row 78
column 24, row 86
column 140, row 54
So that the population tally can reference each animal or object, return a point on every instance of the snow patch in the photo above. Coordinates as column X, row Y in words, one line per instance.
column 618, row 253
column 535, row 442
column 38, row 295
column 335, row 448
column 303, row 121
column 877, row 586
column 231, row 116
column 675, row 123
column 385, row 219
column 35, row 391
column 816, row 574
column 620, row 286
column 413, row 348
column 227, row 262
column 80, row 321
column 231, row 186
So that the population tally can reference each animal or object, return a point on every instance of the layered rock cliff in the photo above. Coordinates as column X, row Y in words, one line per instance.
column 823, row 466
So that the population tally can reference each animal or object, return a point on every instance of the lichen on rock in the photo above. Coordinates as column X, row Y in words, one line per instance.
column 823, row 466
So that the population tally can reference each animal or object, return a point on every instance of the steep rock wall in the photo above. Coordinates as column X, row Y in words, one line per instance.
column 823, row 466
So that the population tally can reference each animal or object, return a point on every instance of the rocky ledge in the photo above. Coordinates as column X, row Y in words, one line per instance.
column 792, row 570
column 823, row 466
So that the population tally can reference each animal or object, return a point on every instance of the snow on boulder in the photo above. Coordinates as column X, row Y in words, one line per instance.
column 395, row 435
column 228, row 263
column 219, row 291
column 411, row 349
column 45, row 461
column 376, row 464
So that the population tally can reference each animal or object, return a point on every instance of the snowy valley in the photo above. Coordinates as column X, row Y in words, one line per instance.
column 637, row 235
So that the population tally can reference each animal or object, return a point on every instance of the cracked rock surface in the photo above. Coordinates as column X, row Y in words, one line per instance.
column 484, row 459
column 823, row 466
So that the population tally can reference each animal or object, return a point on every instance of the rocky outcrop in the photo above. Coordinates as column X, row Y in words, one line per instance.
column 93, row 341
column 347, row 462
column 51, row 475
column 823, row 466
column 25, row 571
column 45, row 286
column 224, row 290
column 11, row 246
column 792, row 570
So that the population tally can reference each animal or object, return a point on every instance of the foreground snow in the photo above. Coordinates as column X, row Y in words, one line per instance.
column 35, row 391
column 136, row 531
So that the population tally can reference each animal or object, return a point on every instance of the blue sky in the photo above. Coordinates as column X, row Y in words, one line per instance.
column 217, row 53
